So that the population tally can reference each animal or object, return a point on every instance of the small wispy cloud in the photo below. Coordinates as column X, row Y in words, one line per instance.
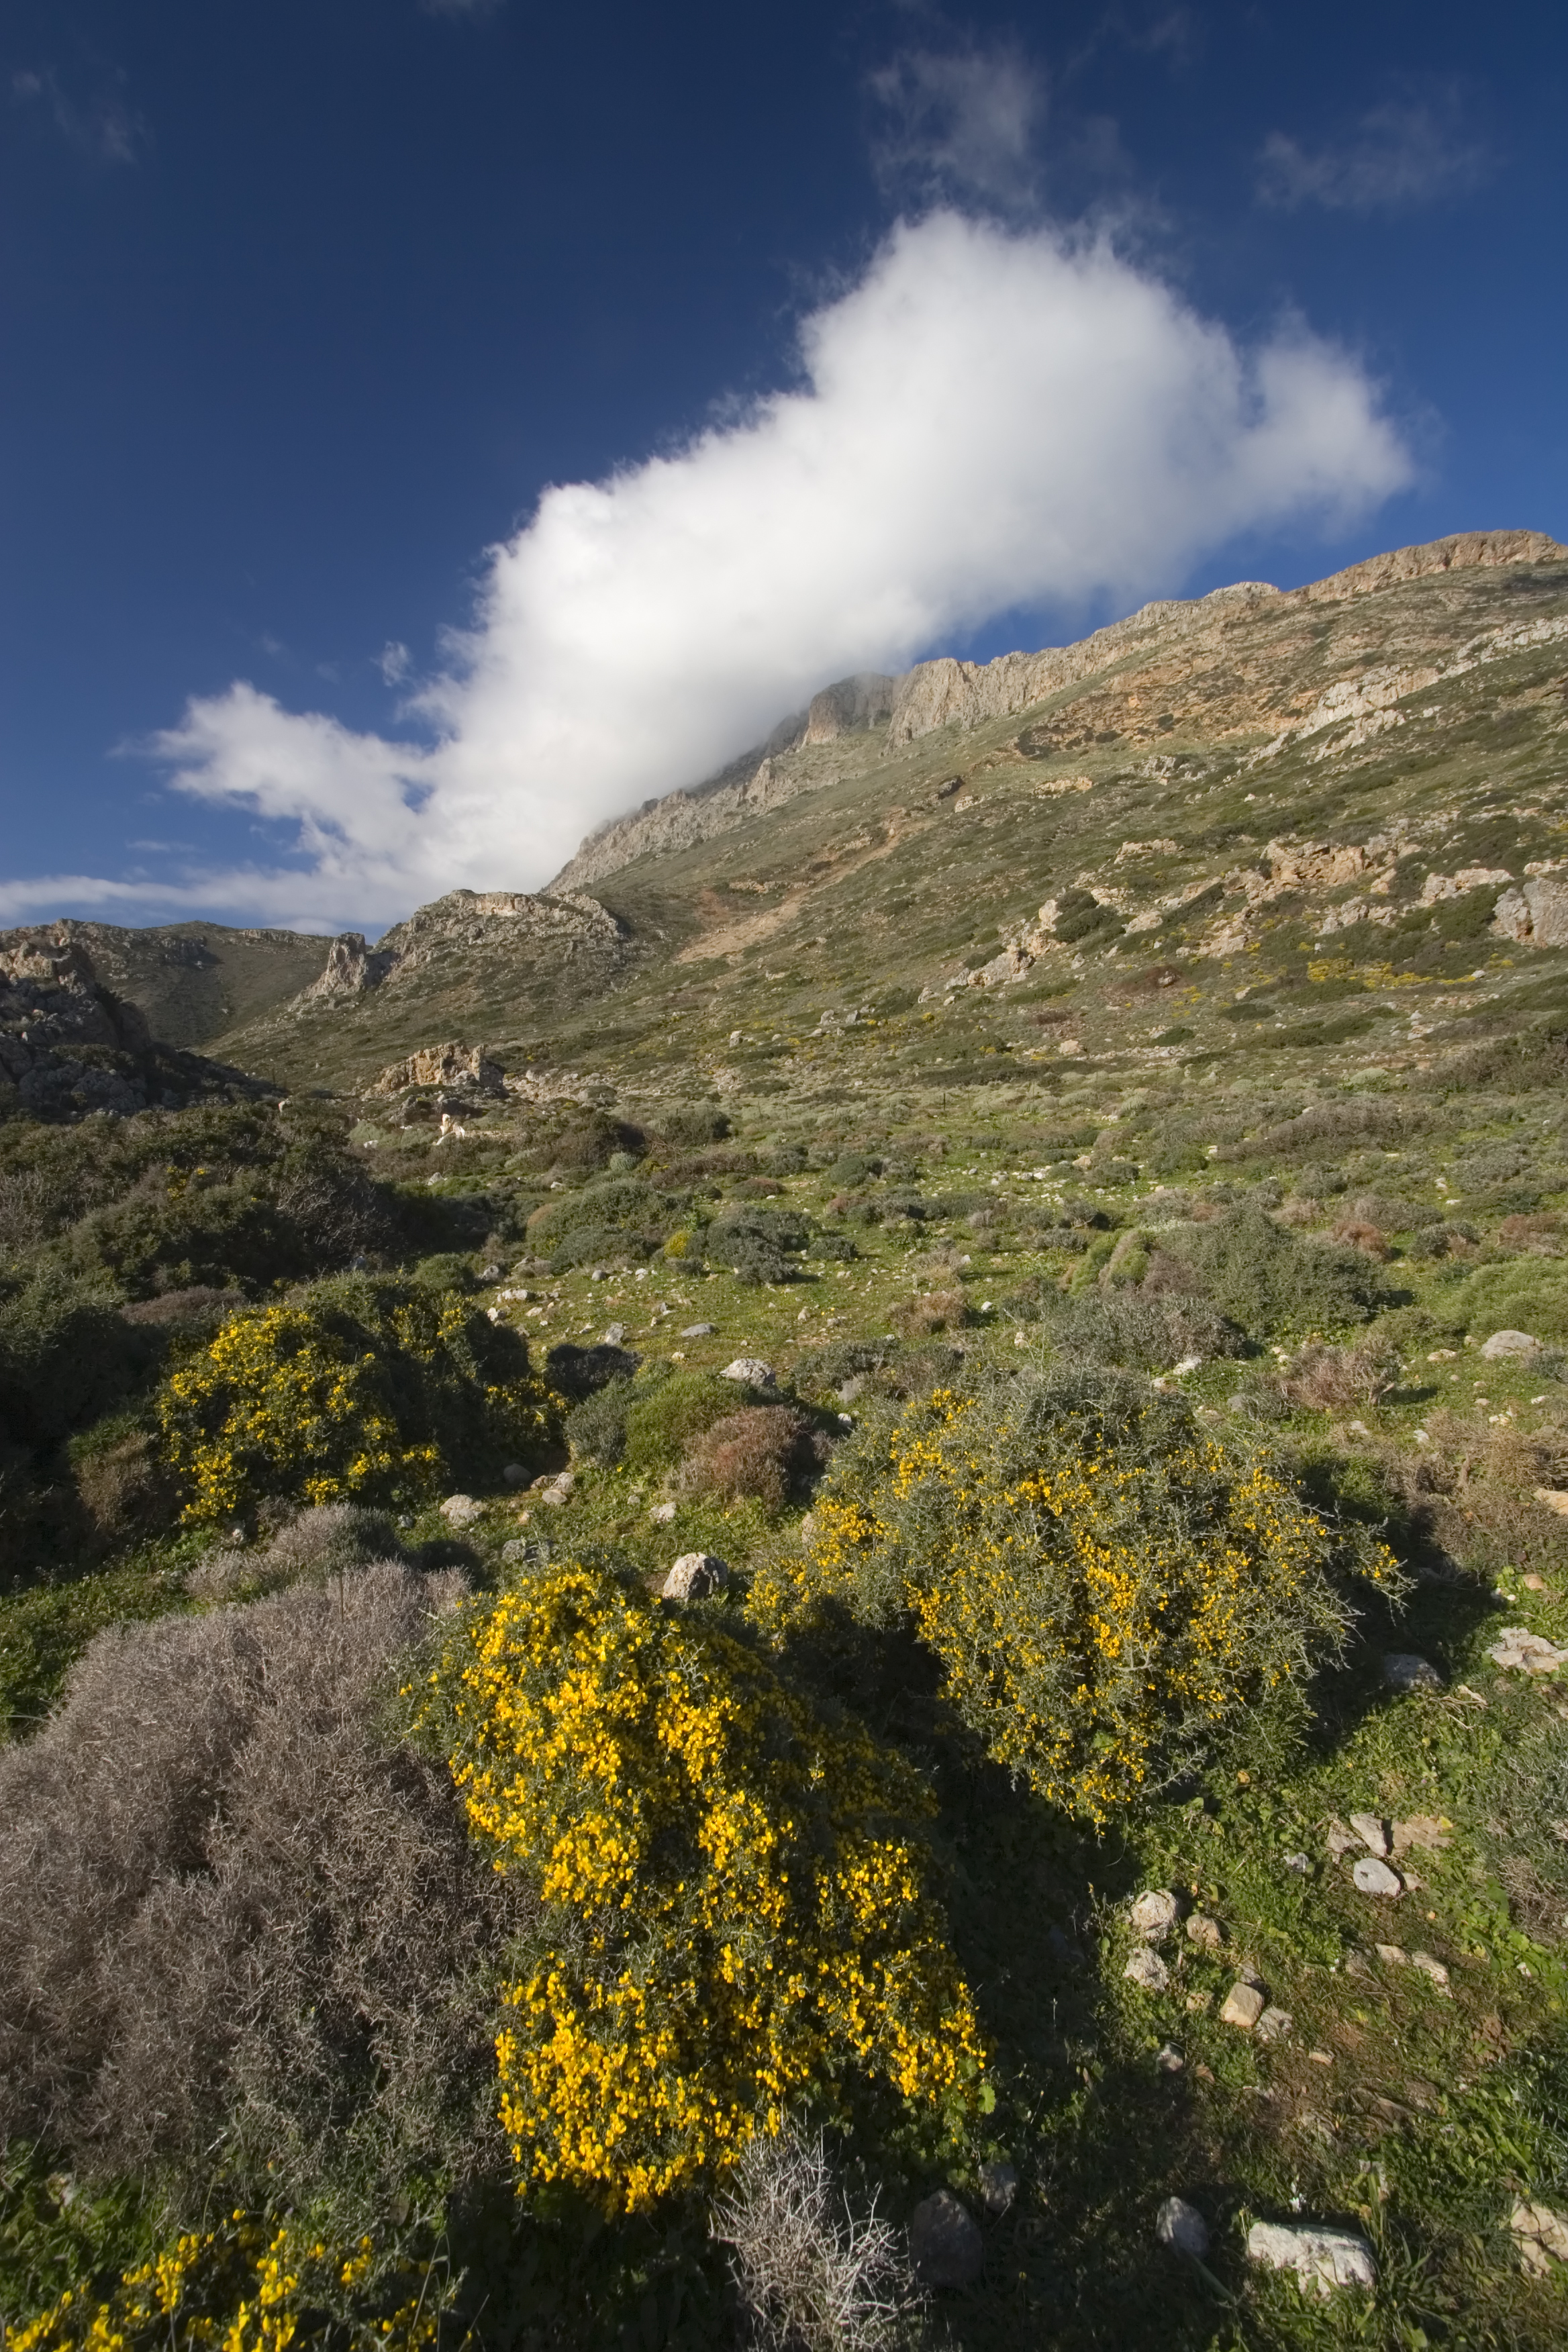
column 100, row 126
column 393, row 662
column 1398, row 157
column 960, row 124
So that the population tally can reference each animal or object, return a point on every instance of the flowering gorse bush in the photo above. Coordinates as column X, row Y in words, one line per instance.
column 738, row 1905
column 368, row 1391
column 246, row 2286
column 1106, row 1586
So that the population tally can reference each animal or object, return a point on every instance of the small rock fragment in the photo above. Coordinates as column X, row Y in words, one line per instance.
column 998, row 2186
column 1340, row 1840
column 1541, row 2233
column 461, row 1510
column 1555, row 1499
column 1154, row 1914
column 697, row 1330
column 517, row 1552
column 1525, row 1652
column 1375, row 1878
column 1147, row 1971
column 1274, row 2025
column 559, row 1490
column 1321, row 2259
column 1301, row 1864
column 1244, row 2005
column 1404, row 1670
column 1393, row 1956
column 695, row 1575
column 1372, row 1832
column 945, row 2244
column 1169, row 2058
column 515, row 1475
column 1510, row 1343
column 1431, row 1967
column 661, row 1514
column 1205, row 1933
column 613, row 1334
column 1182, row 2228
column 754, row 1373
column 1421, row 1829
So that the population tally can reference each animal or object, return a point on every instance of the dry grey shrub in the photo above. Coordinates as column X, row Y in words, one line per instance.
column 312, row 1545
column 1328, row 1379
column 813, row 2275
column 243, row 1933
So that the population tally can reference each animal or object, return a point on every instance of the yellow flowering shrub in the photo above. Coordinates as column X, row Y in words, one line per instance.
column 370, row 1390
column 246, row 2286
column 1106, row 1585
column 738, row 1902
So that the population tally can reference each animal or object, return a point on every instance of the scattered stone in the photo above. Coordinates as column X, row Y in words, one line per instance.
column 1404, row 1670
column 1526, row 1652
column 661, row 1514
column 1431, row 1967
column 1274, row 2025
column 1154, row 1914
column 752, row 1370
column 1421, row 1829
column 1244, row 2005
column 1199, row 2001
column 613, row 1334
column 945, row 2244
column 1341, row 1838
column 1147, row 1971
column 1541, row 2233
column 1393, row 1956
column 559, row 1490
column 1321, row 2259
column 695, row 1575
column 461, row 1510
column 699, row 1331
column 1555, row 1499
column 515, row 1475
column 519, row 1553
column 998, row 2186
column 1375, row 1878
column 1169, row 2058
column 1205, row 1933
column 1372, row 1832
column 1510, row 1343
column 1321, row 2057
column 1182, row 2228
column 1301, row 1864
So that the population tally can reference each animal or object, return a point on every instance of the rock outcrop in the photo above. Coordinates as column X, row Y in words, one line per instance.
column 69, row 1046
column 456, row 1069
column 565, row 924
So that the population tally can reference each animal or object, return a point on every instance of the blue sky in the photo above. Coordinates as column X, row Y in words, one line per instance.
column 880, row 330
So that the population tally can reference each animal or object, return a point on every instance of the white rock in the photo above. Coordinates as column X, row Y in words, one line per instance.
column 1510, row 1343
column 1555, row 1499
column 1154, row 1914
column 1147, row 1971
column 697, row 1330
column 1404, row 1670
column 998, row 2186
column 1169, row 2058
column 613, row 1334
column 695, row 1575
column 752, row 1370
column 1244, row 2005
column 1431, row 1967
column 461, row 1510
column 1181, row 2227
column 1375, row 1878
column 1321, row 2259
column 1526, row 1652
column 945, row 2244
column 661, row 1514
column 1274, row 2025
column 1205, row 1933
column 1372, row 1832
column 1541, row 2232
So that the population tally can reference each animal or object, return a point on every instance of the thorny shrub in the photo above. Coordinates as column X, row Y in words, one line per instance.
column 369, row 1390
column 1107, row 1587
column 812, row 2274
column 738, row 1910
column 763, row 1451
column 1328, row 1379
column 246, row 1943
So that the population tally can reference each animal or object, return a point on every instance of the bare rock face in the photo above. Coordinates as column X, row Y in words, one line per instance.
column 461, row 1069
column 863, row 700
column 1322, row 2260
column 351, row 968
column 1534, row 914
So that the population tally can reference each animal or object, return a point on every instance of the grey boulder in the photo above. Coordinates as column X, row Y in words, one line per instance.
column 945, row 2244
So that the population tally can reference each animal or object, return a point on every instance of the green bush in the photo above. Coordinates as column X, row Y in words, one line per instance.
column 756, row 1244
column 691, row 1125
column 596, row 1429
column 664, row 1420
column 1528, row 1293
column 1268, row 1279
column 67, row 1357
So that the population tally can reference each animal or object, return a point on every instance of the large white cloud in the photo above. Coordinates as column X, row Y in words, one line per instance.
column 987, row 419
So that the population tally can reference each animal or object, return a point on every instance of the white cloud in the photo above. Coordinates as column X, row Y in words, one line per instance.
column 102, row 126
column 1399, row 157
column 985, row 421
